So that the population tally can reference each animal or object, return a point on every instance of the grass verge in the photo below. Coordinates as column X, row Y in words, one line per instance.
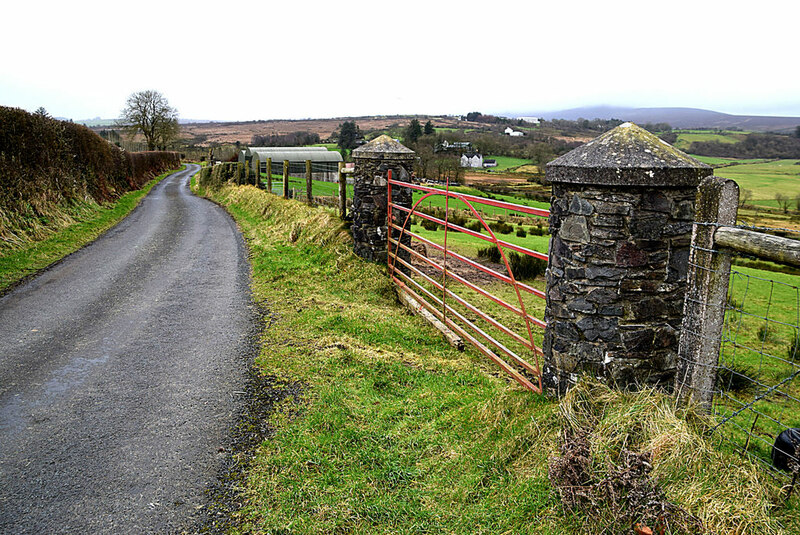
column 396, row 432
column 89, row 221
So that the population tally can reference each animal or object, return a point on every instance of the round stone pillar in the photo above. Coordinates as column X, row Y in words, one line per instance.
column 370, row 193
column 621, row 219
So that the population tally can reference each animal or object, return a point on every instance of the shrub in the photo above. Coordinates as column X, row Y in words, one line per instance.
column 521, row 232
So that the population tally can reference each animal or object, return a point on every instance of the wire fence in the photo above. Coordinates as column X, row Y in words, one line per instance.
column 754, row 379
column 757, row 394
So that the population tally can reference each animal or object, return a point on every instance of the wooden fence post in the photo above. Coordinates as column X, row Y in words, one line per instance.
column 309, row 184
column 706, row 294
column 285, row 179
column 269, row 175
column 257, row 176
column 239, row 174
column 342, row 192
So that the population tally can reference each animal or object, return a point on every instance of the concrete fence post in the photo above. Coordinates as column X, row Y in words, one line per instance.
column 370, row 194
column 620, row 221
column 342, row 192
column 269, row 175
column 285, row 179
column 309, row 184
column 706, row 296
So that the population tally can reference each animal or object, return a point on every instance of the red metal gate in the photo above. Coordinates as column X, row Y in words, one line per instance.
column 408, row 266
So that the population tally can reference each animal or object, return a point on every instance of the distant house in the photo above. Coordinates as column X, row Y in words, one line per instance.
column 513, row 133
column 532, row 120
column 490, row 162
column 472, row 159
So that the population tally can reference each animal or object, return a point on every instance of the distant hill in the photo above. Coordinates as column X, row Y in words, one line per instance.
column 97, row 121
column 676, row 117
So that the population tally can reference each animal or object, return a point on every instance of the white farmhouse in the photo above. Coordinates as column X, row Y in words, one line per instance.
column 513, row 133
column 532, row 120
column 472, row 159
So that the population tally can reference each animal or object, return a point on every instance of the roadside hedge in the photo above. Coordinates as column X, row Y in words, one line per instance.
column 46, row 164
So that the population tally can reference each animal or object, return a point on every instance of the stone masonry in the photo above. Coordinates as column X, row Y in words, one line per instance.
column 621, row 220
column 370, row 193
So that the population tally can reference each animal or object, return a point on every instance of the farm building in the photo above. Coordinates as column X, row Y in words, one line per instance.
column 324, row 162
column 489, row 162
column 472, row 159
column 513, row 133
column 246, row 155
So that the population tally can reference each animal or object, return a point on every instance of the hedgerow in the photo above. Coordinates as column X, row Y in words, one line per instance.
column 50, row 168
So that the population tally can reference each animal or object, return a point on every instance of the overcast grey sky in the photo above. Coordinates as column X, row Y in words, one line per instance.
column 297, row 59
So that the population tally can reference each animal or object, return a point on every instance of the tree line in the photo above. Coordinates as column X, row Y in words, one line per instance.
column 752, row 146
column 292, row 139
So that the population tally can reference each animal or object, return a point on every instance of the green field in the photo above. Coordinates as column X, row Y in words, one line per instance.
column 758, row 342
column 467, row 245
column 487, row 211
column 717, row 161
column 329, row 146
column 765, row 179
column 686, row 138
column 506, row 162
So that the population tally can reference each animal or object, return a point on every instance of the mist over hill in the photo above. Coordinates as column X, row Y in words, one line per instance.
column 676, row 117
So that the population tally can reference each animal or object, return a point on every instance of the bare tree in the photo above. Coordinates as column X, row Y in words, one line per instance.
column 783, row 201
column 149, row 112
column 744, row 197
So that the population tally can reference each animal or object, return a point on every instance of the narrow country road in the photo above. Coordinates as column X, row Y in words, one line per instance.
column 120, row 370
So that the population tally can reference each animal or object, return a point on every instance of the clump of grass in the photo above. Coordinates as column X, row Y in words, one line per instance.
column 738, row 378
column 521, row 232
column 427, row 224
column 685, row 494
column 475, row 225
column 526, row 267
column 793, row 349
column 492, row 254
column 766, row 334
column 501, row 227
column 522, row 266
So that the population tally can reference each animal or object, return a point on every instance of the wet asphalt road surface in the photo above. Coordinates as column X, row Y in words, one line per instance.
column 120, row 371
